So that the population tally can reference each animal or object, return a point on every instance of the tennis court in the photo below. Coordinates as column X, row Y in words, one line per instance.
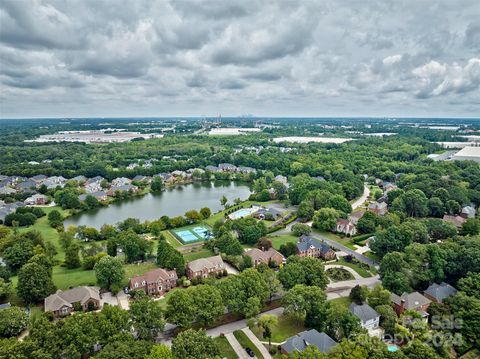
column 191, row 234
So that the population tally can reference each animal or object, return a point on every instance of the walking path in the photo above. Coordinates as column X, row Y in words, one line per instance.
column 257, row 343
column 241, row 353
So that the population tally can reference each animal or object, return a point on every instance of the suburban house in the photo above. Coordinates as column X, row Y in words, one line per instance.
column 155, row 282
column 27, row 186
column 345, row 226
column 354, row 217
column 211, row 168
column 282, row 179
column 410, row 301
column 439, row 292
column 65, row 302
column 457, row 221
column 36, row 199
column 299, row 342
column 243, row 169
column 7, row 190
column 468, row 212
column 380, row 209
column 79, row 179
column 141, row 178
column 267, row 213
column 124, row 188
column 271, row 255
column 205, row 267
column 121, row 181
column 388, row 186
column 311, row 247
column 227, row 167
column 99, row 195
column 369, row 318
column 38, row 179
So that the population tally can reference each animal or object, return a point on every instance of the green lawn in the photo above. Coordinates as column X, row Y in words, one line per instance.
column 278, row 240
column 286, row 328
column 347, row 242
column 48, row 233
column 163, row 302
column 201, row 253
column 226, row 350
column 174, row 242
column 247, row 343
column 344, row 301
column 137, row 269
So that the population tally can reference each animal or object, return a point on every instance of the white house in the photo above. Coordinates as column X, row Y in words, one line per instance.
column 369, row 318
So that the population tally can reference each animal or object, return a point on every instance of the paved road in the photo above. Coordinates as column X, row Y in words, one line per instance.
column 241, row 353
column 257, row 343
column 347, row 250
column 361, row 200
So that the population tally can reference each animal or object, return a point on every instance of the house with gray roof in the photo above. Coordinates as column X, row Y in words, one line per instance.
column 301, row 341
column 63, row 303
column 27, row 186
column 411, row 301
column 212, row 168
column 7, row 190
column 311, row 247
column 439, row 292
column 79, row 178
column 369, row 318
column 468, row 212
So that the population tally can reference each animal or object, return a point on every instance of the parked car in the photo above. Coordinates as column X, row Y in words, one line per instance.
column 250, row 352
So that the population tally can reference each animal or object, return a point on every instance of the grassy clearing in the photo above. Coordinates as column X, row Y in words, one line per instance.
column 174, row 242
column 48, row 233
column 278, row 240
column 344, row 301
column 339, row 274
column 163, row 302
column 196, row 254
column 137, row 269
column 286, row 327
column 347, row 242
column 245, row 342
column 226, row 350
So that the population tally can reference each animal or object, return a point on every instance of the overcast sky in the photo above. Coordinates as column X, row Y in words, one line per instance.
column 267, row 58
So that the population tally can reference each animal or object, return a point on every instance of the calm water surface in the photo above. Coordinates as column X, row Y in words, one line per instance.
column 172, row 202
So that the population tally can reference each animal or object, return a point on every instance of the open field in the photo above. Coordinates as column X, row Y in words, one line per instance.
column 278, row 240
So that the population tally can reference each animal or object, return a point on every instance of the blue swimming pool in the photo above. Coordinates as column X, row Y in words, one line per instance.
column 241, row 213
column 392, row 347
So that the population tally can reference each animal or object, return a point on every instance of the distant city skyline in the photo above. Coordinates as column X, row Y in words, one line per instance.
column 73, row 59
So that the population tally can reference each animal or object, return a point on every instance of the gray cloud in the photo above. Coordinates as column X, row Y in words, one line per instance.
column 153, row 58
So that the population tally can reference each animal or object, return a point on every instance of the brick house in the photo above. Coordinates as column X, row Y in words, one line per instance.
column 271, row 255
column 63, row 303
column 205, row 267
column 155, row 282
column 411, row 301
column 36, row 199
column 310, row 247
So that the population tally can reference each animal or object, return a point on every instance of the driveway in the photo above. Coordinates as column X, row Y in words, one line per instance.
column 230, row 269
column 241, row 353
column 109, row 298
column 123, row 300
column 257, row 343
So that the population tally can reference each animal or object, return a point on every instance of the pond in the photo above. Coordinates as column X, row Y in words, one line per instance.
column 172, row 202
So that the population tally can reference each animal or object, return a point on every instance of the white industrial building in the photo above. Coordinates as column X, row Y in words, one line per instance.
column 468, row 153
